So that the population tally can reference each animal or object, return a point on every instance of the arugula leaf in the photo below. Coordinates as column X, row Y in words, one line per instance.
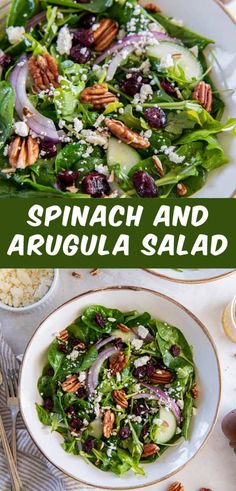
column 44, row 416
column 126, row 457
column 187, row 415
column 7, row 101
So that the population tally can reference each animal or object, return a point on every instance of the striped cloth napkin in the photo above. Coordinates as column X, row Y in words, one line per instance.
column 36, row 472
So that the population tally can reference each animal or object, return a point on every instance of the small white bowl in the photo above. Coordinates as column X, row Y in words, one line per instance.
column 39, row 302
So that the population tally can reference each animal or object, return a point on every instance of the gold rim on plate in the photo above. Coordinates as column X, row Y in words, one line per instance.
column 180, row 306
column 192, row 282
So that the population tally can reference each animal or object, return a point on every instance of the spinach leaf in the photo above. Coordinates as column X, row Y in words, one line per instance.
column 89, row 318
column 44, row 416
column 55, row 357
column 7, row 101
column 96, row 6
column 46, row 386
column 138, row 319
column 79, row 330
column 89, row 358
column 69, row 156
column 177, row 174
column 21, row 11
column 188, row 37
column 187, row 415
column 167, row 336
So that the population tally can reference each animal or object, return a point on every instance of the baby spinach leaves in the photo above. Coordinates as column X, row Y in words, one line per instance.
column 7, row 101
column 21, row 11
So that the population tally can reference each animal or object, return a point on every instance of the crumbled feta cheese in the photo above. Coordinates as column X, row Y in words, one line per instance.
column 136, row 419
column 61, row 123
column 145, row 92
column 172, row 155
column 180, row 403
column 137, row 343
column 111, row 319
column 102, row 169
column 141, row 361
column 21, row 128
column 73, row 355
column 142, row 332
column 167, row 61
column 64, row 41
column 22, row 287
column 82, row 376
column 94, row 138
column 78, row 125
column 15, row 34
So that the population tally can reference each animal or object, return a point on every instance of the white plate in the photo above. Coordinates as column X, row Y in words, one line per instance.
column 159, row 306
column 209, row 18
column 191, row 275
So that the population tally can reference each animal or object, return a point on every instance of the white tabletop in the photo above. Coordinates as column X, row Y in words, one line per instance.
column 215, row 466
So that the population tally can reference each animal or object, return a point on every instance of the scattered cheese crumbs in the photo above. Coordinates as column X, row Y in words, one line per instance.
column 180, row 403
column 172, row 155
column 142, row 332
column 167, row 61
column 21, row 128
column 73, row 355
column 78, row 125
column 94, row 138
column 141, row 361
column 111, row 319
column 64, row 41
column 102, row 169
column 137, row 419
column 137, row 343
column 82, row 376
column 22, row 287
column 15, row 34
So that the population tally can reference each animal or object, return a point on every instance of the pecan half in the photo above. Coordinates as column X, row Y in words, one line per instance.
column 161, row 377
column 117, row 362
column 63, row 335
column 181, row 189
column 108, row 423
column 123, row 327
column 151, row 7
column 195, row 391
column 98, row 95
column 205, row 489
column 159, row 167
column 105, row 34
column 71, row 384
column 120, row 398
column 125, row 134
column 44, row 71
column 150, row 449
column 23, row 152
column 203, row 94
column 176, row 486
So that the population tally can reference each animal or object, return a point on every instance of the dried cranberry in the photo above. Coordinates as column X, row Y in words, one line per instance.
column 5, row 60
column 76, row 424
column 88, row 445
column 132, row 83
column 48, row 404
column 150, row 370
column 71, row 410
column 62, row 348
column 145, row 430
column 87, row 20
column 76, row 343
column 67, row 177
column 140, row 408
column 50, row 372
column 124, row 433
column 169, row 87
column 81, row 393
column 118, row 343
column 156, row 117
column 160, row 364
column 84, row 37
column 140, row 372
column 145, row 184
column 48, row 150
column 95, row 184
column 175, row 350
column 80, row 53
column 100, row 320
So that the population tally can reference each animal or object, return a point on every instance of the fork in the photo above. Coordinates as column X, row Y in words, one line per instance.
column 11, row 387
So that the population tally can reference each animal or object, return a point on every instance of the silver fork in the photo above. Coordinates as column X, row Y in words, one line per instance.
column 11, row 387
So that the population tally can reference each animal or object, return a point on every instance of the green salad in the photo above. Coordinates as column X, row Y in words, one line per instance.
column 105, row 99
column 119, row 388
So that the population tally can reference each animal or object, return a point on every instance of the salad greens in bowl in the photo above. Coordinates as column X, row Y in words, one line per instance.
column 119, row 387
column 115, row 385
column 106, row 99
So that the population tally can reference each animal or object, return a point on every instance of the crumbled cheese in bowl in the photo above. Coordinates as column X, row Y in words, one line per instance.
column 24, row 287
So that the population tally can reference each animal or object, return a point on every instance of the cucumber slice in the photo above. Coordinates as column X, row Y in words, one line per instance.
column 125, row 336
column 186, row 60
column 95, row 428
column 167, row 428
column 120, row 153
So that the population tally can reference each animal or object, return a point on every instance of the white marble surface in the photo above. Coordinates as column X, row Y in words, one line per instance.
column 215, row 466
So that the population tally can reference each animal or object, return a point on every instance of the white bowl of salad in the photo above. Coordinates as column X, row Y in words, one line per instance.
column 120, row 386
column 110, row 99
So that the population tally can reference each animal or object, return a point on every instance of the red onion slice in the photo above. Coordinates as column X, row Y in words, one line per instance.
column 37, row 19
column 116, row 61
column 145, row 37
column 165, row 399
column 92, row 380
column 43, row 127
column 102, row 342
